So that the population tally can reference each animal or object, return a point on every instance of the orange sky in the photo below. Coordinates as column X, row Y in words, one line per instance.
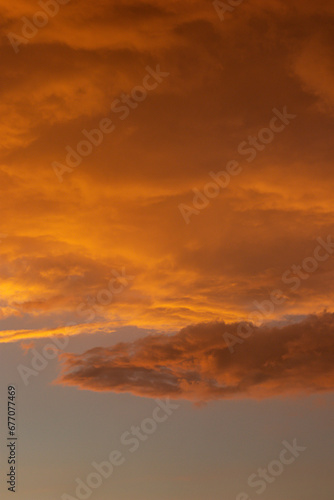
column 119, row 209
column 167, row 205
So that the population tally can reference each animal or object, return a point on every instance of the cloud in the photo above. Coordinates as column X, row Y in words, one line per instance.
column 26, row 346
column 195, row 364
column 119, row 207
column 314, row 66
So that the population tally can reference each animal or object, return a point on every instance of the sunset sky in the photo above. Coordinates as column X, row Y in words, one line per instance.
column 167, row 214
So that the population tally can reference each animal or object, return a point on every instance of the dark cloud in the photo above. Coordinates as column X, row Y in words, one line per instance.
column 196, row 363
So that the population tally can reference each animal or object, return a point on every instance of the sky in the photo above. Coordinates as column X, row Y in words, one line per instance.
column 167, row 237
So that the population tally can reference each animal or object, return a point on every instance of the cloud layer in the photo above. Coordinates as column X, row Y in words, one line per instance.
column 119, row 207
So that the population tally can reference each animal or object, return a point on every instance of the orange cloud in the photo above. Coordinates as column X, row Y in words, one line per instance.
column 119, row 207
column 195, row 364
column 26, row 346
